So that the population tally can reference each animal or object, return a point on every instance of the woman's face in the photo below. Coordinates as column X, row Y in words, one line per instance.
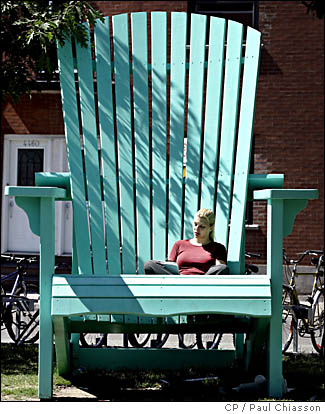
column 201, row 230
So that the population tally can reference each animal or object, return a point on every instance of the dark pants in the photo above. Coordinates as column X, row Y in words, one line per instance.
column 154, row 267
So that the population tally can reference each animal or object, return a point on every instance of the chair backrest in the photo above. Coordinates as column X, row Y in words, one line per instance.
column 132, row 102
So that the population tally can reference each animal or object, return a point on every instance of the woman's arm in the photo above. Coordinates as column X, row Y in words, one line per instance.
column 221, row 254
column 173, row 253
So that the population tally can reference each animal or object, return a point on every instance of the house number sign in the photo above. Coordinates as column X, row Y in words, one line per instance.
column 31, row 143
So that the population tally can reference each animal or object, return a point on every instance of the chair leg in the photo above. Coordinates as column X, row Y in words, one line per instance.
column 255, row 345
column 275, row 376
column 62, row 345
column 45, row 358
column 275, row 211
column 239, row 346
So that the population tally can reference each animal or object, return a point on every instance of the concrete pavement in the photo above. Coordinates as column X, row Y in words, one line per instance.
column 304, row 343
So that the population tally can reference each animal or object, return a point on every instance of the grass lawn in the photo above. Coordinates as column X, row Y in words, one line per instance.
column 19, row 372
column 304, row 374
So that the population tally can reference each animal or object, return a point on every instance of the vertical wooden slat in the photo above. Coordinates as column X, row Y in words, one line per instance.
column 177, row 114
column 71, row 123
column 89, row 131
column 124, row 138
column 244, row 148
column 159, row 130
column 108, row 155
column 141, row 134
column 212, row 111
column 228, row 129
column 194, row 119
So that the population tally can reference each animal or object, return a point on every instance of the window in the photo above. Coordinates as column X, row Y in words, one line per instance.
column 30, row 161
column 245, row 12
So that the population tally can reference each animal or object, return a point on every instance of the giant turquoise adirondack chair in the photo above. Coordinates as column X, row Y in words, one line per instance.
column 131, row 199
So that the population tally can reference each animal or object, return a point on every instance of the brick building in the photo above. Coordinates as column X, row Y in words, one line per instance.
column 289, row 122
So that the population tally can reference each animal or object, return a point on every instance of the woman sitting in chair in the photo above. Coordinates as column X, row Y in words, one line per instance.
column 197, row 256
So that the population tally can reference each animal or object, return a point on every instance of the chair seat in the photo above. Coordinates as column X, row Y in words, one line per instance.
column 161, row 296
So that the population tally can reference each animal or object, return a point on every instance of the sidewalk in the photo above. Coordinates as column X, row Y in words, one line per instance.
column 304, row 344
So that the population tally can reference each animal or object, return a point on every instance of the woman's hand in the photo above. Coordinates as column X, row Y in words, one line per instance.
column 220, row 262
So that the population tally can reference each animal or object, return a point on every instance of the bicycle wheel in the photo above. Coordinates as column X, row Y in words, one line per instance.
column 93, row 340
column 208, row 340
column 21, row 323
column 2, row 306
column 187, row 340
column 322, row 348
column 289, row 320
column 138, row 340
column 160, row 341
column 317, row 327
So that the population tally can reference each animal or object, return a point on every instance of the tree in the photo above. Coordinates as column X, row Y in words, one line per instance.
column 317, row 7
column 29, row 33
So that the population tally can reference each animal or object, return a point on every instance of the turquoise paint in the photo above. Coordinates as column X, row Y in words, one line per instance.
column 120, row 179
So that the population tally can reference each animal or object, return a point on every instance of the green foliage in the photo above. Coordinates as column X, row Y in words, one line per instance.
column 316, row 7
column 29, row 32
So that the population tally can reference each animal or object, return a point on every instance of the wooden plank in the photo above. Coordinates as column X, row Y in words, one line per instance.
column 124, row 137
column 255, row 343
column 260, row 280
column 175, row 325
column 71, row 123
column 228, row 130
column 26, row 191
column 274, row 269
column 117, row 319
column 177, row 114
column 89, row 132
column 159, row 132
column 162, row 291
column 47, row 261
column 194, row 120
column 149, row 358
column 162, row 307
column 212, row 111
column 286, row 194
column 244, row 148
column 107, row 138
column 62, row 344
column 141, row 135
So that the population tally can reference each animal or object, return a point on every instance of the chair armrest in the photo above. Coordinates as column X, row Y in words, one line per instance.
column 52, row 192
column 285, row 194
column 293, row 202
column 263, row 181
column 31, row 198
column 55, row 179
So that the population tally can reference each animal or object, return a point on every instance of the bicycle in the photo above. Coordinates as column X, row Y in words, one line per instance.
column 301, row 319
column 140, row 340
column 136, row 340
column 18, row 315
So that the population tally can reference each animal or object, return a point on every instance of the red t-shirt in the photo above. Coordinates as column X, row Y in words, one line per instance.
column 196, row 260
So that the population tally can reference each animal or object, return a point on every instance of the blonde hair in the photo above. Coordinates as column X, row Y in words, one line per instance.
column 208, row 215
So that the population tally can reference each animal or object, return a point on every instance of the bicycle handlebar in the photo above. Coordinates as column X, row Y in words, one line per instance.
column 249, row 254
column 314, row 252
column 19, row 259
column 303, row 254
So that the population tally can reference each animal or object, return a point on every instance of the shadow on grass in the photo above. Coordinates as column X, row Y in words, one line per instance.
column 304, row 374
